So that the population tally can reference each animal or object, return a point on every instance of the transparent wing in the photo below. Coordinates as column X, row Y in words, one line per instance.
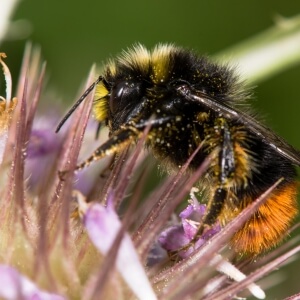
column 261, row 131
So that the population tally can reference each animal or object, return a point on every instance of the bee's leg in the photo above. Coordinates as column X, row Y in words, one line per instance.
column 115, row 144
column 214, row 209
column 225, row 171
column 126, row 135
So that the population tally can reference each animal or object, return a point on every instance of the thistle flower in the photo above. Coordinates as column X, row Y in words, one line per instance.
column 59, row 243
column 178, row 236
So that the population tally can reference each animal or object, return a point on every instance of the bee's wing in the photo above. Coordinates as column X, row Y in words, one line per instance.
column 261, row 131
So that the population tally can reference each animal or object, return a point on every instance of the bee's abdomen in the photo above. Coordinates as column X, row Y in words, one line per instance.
column 269, row 225
column 266, row 228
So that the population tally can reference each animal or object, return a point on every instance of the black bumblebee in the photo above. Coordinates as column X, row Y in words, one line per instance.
column 189, row 100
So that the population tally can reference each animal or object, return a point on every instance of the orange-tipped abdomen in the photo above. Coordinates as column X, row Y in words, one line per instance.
column 266, row 228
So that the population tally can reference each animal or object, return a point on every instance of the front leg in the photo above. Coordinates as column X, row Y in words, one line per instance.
column 126, row 135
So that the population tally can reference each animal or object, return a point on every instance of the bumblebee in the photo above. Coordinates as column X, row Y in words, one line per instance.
column 186, row 100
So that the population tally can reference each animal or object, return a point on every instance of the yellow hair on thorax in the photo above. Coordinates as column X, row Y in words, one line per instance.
column 137, row 57
column 161, row 62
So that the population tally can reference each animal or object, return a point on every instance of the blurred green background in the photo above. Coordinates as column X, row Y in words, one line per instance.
column 75, row 34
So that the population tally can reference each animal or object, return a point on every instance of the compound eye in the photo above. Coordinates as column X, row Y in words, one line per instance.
column 119, row 95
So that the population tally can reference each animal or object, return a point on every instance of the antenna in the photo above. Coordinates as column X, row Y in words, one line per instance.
column 77, row 103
